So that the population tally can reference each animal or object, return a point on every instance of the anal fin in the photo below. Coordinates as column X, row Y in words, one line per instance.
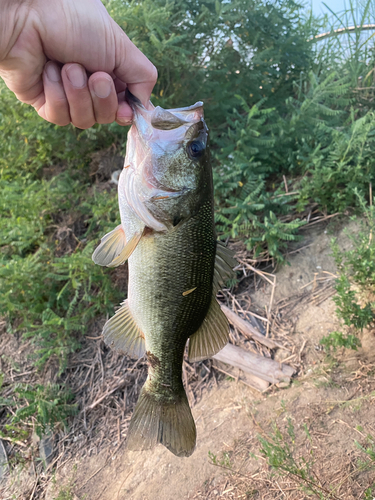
column 114, row 250
column 122, row 334
column 211, row 336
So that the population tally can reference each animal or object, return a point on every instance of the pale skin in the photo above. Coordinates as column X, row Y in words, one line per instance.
column 71, row 61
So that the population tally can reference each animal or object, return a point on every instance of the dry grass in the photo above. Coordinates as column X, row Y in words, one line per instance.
column 106, row 386
column 317, row 459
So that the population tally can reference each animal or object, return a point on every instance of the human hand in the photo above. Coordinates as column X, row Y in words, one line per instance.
column 49, row 47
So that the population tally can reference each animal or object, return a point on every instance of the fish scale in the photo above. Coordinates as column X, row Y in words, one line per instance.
column 160, row 270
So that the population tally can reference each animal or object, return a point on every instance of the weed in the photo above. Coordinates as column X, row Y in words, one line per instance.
column 66, row 492
column 368, row 463
column 47, row 405
column 337, row 339
column 356, row 283
column 224, row 461
column 280, row 451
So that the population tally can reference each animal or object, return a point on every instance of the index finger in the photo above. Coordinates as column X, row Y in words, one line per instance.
column 133, row 67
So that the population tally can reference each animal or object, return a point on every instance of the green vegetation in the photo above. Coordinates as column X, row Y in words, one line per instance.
column 47, row 405
column 289, row 131
column 294, row 455
column 283, row 455
column 279, row 449
column 50, row 289
column 355, row 297
column 276, row 103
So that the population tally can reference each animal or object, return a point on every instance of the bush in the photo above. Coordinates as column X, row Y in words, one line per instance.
column 355, row 285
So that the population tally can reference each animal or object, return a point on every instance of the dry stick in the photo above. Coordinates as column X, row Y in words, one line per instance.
column 320, row 220
column 313, row 282
column 284, row 194
column 249, row 312
column 261, row 273
column 257, row 384
column 98, row 401
column 285, row 184
column 264, row 368
column 272, row 295
column 13, row 441
column 248, row 330
column 256, row 316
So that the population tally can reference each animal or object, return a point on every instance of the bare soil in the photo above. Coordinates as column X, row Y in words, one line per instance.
column 329, row 406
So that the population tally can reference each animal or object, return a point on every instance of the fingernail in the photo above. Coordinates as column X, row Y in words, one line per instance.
column 102, row 88
column 53, row 73
column 76, row 75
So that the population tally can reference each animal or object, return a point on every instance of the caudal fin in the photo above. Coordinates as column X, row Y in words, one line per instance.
column 170, row 424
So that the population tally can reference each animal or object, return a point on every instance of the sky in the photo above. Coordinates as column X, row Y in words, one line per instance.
column 336, row 5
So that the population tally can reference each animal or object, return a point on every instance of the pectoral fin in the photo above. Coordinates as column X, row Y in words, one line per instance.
column 114, row 250
column 224, row 264
column 211, row 336
column 122, row 334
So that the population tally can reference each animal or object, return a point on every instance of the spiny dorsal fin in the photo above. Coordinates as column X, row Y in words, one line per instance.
column 122, row 334
column 114, row 250
column 224, row 264
column 211, row 336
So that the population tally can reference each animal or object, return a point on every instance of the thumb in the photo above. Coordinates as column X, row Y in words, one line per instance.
column 133, row 67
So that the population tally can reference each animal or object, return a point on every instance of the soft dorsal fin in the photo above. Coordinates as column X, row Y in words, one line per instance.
column 224, row 264
column 114, row 250
column 122, row 334
column 211, row 336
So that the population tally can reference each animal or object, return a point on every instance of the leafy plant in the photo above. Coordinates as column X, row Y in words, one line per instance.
column 338, row 339
column 355, row 285
column 281, row 453
column 47, row 405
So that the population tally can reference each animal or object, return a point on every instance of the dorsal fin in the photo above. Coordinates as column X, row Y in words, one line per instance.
column 224, row 264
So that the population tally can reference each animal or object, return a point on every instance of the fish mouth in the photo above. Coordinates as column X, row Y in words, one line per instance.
column 162, row 119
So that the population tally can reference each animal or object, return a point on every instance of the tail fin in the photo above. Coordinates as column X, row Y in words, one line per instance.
column 169, row 423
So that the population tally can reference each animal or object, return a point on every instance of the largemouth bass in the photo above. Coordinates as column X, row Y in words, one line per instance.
column 176, row 266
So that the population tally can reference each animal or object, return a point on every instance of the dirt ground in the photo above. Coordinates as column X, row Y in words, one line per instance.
column 317, row 425
column 328, row 407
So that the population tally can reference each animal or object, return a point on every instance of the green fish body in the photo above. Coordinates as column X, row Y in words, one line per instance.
column 167, row 234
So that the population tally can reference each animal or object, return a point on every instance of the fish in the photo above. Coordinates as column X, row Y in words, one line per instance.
column 176, row 266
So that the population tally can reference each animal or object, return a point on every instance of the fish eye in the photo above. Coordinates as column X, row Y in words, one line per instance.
column 195, row 149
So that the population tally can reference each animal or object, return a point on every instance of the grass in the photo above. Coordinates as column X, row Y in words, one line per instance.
column 289, row 451
column 51, row 217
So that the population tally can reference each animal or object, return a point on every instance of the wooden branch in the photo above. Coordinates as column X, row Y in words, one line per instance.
column 108, row 393
column 263, row 368
column 254, row 382
column 341, row 31
column 247, row 329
